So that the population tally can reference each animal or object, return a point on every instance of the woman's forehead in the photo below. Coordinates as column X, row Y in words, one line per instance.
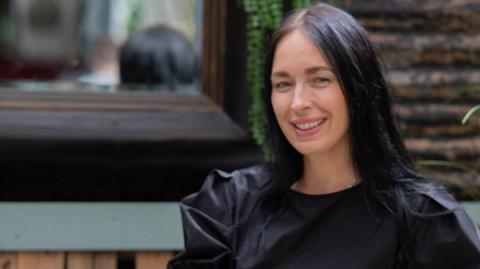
column 296, row 49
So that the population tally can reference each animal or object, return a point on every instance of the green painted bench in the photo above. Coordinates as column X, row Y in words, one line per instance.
column 94, row 235
column 101, row 226
column 89, row 235
column 92, row 226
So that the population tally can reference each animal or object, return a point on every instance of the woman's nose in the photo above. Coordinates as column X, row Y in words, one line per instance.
column 302, row 99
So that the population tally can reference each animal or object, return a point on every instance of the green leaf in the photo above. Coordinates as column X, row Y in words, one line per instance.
column 469, row 113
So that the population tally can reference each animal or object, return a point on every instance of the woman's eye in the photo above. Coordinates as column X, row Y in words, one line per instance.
column 320, row 81
column 281, row 85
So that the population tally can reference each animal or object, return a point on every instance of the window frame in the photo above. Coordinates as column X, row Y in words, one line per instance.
column 209, row 100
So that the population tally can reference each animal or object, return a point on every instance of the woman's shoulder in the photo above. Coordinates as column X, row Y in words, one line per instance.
column 245, row 180
column 428, row 197
column 436, row 199
column 227, row 195
column 440, row 226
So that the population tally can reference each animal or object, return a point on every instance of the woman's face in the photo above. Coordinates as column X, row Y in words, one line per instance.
column 307, row 97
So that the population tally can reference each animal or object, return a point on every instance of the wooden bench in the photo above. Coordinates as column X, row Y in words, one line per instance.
column 88, row 235
column 96, row 235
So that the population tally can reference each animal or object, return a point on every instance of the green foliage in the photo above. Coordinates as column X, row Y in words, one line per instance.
column 469, row 113
column 298, row 4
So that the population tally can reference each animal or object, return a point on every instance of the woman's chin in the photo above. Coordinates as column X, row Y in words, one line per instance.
column 309, row 149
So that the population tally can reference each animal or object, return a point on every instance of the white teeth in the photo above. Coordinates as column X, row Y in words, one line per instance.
column 309, row 125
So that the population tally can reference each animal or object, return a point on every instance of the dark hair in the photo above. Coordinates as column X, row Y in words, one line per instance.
column 157, row 55
column 379, row 155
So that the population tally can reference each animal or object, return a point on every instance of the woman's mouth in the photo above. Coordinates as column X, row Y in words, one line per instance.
column 308, row 128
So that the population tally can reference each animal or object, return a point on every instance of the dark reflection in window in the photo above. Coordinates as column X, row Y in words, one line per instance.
column 75, row 45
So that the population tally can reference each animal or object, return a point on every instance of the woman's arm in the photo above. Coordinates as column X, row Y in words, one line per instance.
column 444, row 240
column 207, row 218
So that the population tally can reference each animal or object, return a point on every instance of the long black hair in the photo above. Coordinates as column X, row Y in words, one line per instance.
column 379, row 155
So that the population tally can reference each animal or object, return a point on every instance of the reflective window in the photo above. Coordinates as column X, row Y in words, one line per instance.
column 101, row 45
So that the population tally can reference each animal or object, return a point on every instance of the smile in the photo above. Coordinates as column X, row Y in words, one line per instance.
column 309, row 125
column 307, row 129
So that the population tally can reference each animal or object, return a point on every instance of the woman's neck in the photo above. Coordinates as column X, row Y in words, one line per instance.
column 327, row 173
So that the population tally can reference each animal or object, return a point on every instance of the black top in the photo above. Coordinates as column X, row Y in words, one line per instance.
column 336, row 230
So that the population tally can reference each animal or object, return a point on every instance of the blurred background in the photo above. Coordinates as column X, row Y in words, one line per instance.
column 111, row 107
column 56, row 42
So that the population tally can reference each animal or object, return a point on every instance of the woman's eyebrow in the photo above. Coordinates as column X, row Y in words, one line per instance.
column 281, row 74
column 315, row 69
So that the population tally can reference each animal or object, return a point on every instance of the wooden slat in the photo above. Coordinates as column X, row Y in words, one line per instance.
column 458, row 94
column 80, row 260
column 433, row 77
column 90, row 260
column 105, row 260
column 152, row 260
column 431, row 113
column 450, row 149
column 147, row 102
column 41, row 260
column 38, row 226
column 118, row 126
column 8, row 260
column 73, row 106
column 133, row 96
column 443, row 21
column 426, row 41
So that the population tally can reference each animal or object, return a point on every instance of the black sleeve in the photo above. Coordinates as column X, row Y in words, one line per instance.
column 207, row 218
column 445, row 238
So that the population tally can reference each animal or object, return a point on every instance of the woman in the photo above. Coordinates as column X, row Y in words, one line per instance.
column 341, row 191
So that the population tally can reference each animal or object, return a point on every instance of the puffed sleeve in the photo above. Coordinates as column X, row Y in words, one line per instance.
column 445, row 237
column 207, row 218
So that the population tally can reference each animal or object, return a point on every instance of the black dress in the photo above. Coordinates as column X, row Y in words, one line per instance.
column 337, row 230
